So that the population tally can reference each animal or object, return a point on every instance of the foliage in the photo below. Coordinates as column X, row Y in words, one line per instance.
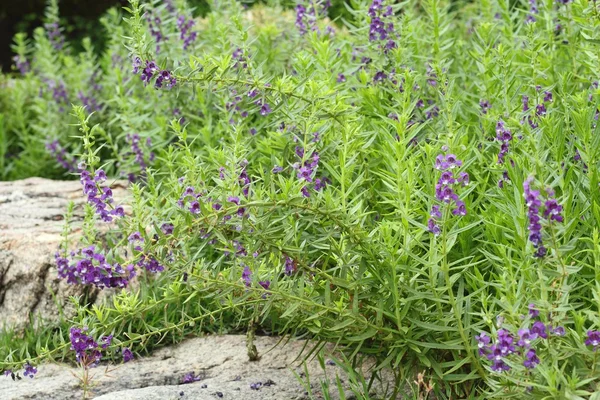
column 416, row 183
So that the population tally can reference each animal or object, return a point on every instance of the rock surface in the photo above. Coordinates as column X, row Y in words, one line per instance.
column 220, row 361
column 31, row 221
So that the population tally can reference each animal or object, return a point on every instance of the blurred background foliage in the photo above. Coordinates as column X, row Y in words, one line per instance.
column 80, row 18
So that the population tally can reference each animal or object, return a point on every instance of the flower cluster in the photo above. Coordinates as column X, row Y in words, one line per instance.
column 504, row 136
column 154, row 23
column 99, row 197
column 55, row 35
column 485, row 106
column 30, row 370
column 247, row 279
column 533, row 11
column 138, row 152
column 151, row 264
column 163, row 77
column 190, row 194
column 306, row 14
column 90, row 101
column 59, row 93
column 147, row 262
column 243, row 178
column 520, row 345
column 540, row 109
column 21, row 64
column 381, row 28
column 291, row 266
column 552, row 212
column 87, row 350
column 89, row 267
column 185, row 28
column 61, row 156
column 306, row 171
column 444, row 190
column 241, row 61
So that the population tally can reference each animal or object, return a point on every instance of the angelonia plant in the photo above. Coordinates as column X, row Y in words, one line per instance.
column 418, row 182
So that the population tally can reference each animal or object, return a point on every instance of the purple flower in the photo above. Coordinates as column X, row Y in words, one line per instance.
column 186, row 34
column 321, row 183
column 276, row 169
column 539, row 329
column 504, row 136
column 290, row 266
column 483, row 342
column 190, row 377
column 140, row 158
column 60, row 154
column 433, row 227
column 92, row 188
column 21, row 64
column 57, row 40
column 195, row 207
column 500, row 366
column 135, row 237
column 525, row 337
column 306, row 15
column 86, row 349
column 265, row 109
column 341, row 78
column 485, row 106
column 127, row 354
column 540, row 110
column 531, row 359
column 533, row 312
column 167, row 228
column 151, row 264
column 91, row 268
column 30, row 370
column 559, row 331
column 137, row 63
column 265, row 284
column 379, row 77
column 553, row 209
column 460, row 208
column 106, row 340
column 593, row 339
column 246, row 276
column 165, row 77
column 148, row 72
column 533, row 203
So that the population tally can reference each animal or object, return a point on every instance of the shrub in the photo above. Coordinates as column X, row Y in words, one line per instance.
column 421, row 185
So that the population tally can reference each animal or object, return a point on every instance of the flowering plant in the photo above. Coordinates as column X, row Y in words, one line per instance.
column 406, row 184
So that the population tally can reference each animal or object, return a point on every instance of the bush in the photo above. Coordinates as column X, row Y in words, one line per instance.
column 420, row 186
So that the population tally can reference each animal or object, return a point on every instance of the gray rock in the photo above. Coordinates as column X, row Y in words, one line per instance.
column 31, row 221
column 220, row 361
